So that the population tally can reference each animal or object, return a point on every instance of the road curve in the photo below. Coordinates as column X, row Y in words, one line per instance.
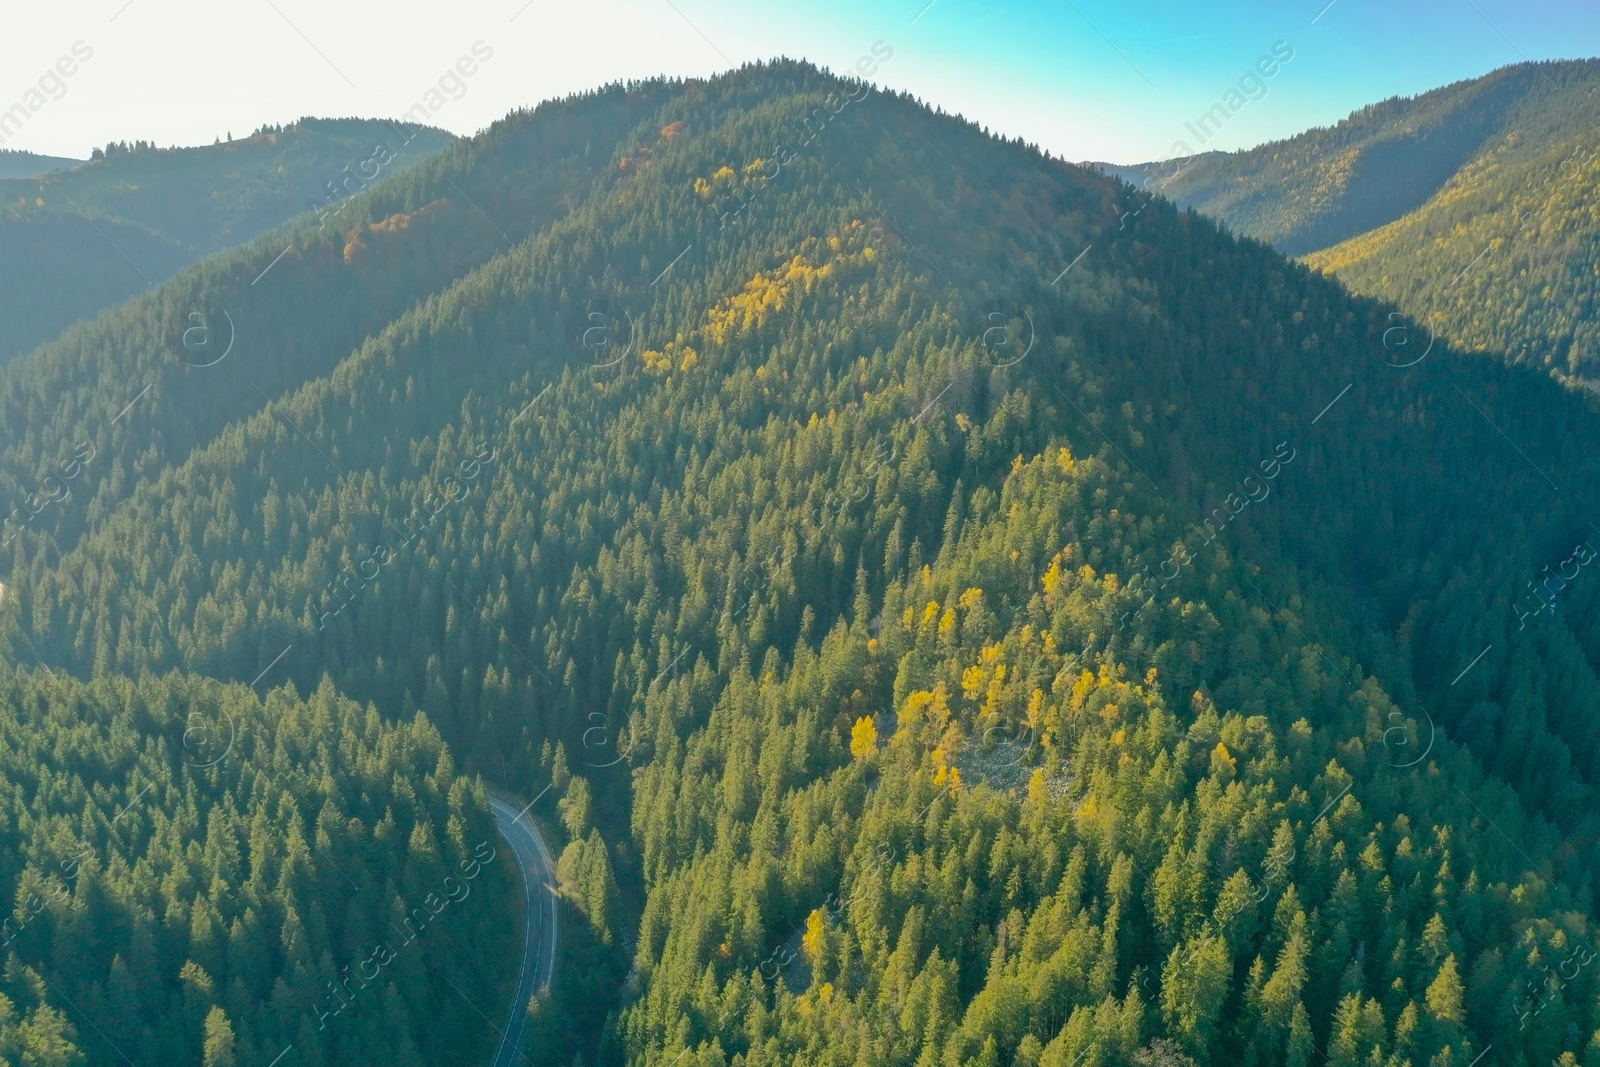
column 539, row 921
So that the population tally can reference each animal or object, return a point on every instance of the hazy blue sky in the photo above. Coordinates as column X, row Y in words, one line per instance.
column 1086, row 79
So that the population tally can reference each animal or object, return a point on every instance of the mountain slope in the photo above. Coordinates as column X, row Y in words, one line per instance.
column 81, row 240
column 1503, row 259
column 15, row 164
column 120, row 398
column 1468, row 207
column 203, row 875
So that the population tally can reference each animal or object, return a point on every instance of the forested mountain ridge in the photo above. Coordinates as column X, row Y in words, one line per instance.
column 138, row 388
column 1330, row 183
column 1469, row 207
column 15, row 164
column 944, row 655
column 80, row 240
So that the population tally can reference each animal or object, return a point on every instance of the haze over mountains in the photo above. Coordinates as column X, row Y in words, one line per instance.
column 74, row 241
column 1470, row 207
column 15, row 164
column 946, row 606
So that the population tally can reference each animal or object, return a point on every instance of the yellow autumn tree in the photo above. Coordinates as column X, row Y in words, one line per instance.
column 814, row 942
column 1446, row 995
column 864, row 738
column 1223, row 765
column 218, row 1048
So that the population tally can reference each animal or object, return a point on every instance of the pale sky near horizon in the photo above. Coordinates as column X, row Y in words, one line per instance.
column 1084, row 79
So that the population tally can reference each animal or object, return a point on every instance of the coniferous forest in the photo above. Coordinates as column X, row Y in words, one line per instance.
column 1468, row 207
column 941, row 605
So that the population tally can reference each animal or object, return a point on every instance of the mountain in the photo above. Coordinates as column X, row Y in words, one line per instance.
column 954, row 607
column 81, row 240
column 15, row 164
column 1467, row 207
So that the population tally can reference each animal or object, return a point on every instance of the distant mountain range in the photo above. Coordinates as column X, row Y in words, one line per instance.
column 1474, row 207
column 15, row 164
column 76, row 241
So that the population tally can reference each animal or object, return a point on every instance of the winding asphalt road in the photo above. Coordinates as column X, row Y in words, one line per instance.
column 539, row 919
